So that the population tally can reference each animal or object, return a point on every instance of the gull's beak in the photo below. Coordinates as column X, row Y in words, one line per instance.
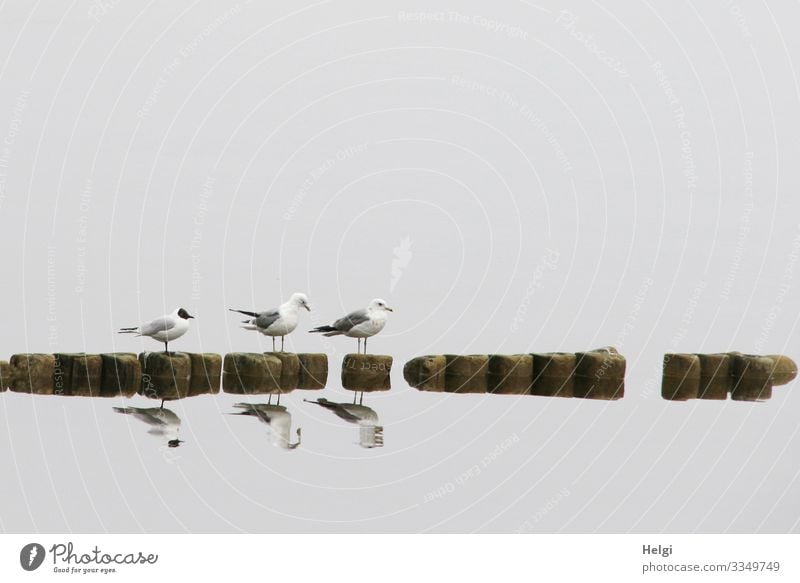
column 307, row 307
column 389, row 309
column 175, row 442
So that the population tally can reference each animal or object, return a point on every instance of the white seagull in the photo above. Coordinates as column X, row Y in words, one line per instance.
column 279, row 321
column 359, row 324
column 166, row 328
column 277, row 418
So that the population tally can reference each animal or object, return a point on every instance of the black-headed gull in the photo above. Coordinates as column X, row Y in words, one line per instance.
column 359, row 324
column 279, row 321
column 166, row 328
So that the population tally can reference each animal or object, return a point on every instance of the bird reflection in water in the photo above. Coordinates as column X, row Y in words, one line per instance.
column 277, row 419
column 163, row 422
column 370, row 433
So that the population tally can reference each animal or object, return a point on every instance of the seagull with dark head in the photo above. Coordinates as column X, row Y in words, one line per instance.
column 166, row 328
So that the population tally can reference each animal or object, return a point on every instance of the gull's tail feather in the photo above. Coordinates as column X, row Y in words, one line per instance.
column 123, row 409
column 133, row 330
column 327, row 330
column 245, row 312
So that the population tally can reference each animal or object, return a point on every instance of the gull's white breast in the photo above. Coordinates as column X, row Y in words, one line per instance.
column 369, row 328
column 179, row 329
column 284, row 325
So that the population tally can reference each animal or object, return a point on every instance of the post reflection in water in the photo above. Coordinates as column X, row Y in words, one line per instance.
column 370, row 433
column 277, row 419
column 163, row 422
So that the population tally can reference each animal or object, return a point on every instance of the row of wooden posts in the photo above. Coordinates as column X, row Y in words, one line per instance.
column 745, row 377
column 600, row 374
column 591, row 375
column 595, row 374
column 161, row 376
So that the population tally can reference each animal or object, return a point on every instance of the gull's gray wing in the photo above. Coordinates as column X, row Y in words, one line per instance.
column 267, row 319
column 351, row 320
column 157, row 325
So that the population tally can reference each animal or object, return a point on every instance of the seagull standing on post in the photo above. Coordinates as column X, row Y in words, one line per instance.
column 166, row 328
column 359, row 324
column 279, row 321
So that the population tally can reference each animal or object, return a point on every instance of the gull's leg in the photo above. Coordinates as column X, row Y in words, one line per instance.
column 279, row 398
column 162, row 403
column 355, row 396
column 269, row 402
column 283, row 339
column 361, row 401
column 365, row 345
column 358, row 350
column 273, row 344
column 166, row 348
